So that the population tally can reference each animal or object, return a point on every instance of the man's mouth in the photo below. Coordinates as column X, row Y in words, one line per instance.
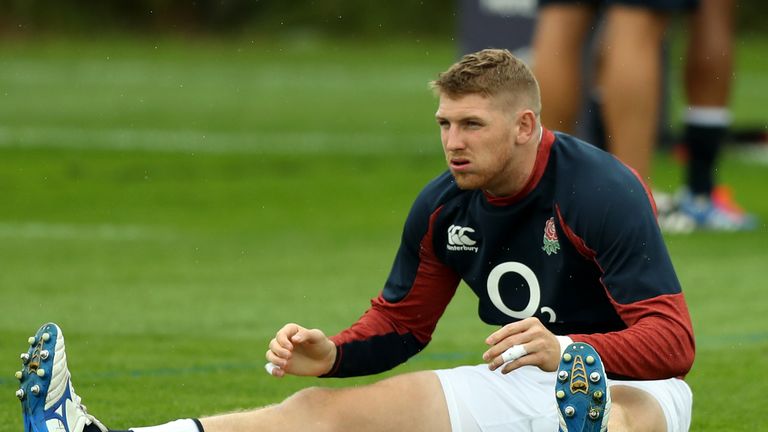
column 459, row 164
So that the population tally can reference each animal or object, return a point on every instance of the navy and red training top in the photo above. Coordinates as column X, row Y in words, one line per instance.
column 579, row 248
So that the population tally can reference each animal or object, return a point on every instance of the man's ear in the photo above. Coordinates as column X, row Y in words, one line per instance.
column 527, row 128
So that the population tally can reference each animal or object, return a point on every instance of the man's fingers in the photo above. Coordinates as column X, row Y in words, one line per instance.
column 308, row 336
column 279, row 350
column 510, row 330
column 274, row 370
column 281, row 346
column 275, row 359
column 526, row 360
column 285, row 334
column 301, row 336
column 502, row 333
column 513, row 353
column 493, row 353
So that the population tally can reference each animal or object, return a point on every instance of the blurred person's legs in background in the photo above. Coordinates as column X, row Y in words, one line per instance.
column 707, row 80
column 561, row 32
column 630, row 70
column 630, row 82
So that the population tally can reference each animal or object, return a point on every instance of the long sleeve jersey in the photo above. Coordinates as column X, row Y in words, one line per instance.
column 578, row 247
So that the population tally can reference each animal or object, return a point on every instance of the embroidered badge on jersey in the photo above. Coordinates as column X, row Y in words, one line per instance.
column 551, row 243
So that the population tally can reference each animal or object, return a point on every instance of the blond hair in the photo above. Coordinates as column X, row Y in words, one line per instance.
column 491, row 72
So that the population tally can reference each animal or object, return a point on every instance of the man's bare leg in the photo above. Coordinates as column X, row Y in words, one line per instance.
column 631, row 83
column 635, row 410
column 412, row 402
column 708, row 77
column 557, row 56
column 709, row 58
column 409, row 402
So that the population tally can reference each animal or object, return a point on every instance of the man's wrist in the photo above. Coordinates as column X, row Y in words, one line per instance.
column 564, row 341
column 333, row 359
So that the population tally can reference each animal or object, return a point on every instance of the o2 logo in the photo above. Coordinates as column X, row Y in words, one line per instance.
column 534, row 297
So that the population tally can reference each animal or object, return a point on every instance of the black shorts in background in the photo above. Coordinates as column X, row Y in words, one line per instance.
column 657, row 5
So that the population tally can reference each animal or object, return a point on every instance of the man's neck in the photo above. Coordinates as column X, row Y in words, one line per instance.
column 521, row 175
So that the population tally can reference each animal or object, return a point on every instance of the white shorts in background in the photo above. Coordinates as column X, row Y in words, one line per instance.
column 480, row 400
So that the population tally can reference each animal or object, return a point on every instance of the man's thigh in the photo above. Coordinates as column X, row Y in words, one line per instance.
column 408, row 402
column 673, row 396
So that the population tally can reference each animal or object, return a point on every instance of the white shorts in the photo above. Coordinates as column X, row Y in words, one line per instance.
column 480, row 400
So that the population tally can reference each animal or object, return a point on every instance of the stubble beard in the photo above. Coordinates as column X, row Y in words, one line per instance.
column 467, row 181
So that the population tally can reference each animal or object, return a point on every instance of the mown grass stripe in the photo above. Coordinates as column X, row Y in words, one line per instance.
column 191, row 141
column 43, row 230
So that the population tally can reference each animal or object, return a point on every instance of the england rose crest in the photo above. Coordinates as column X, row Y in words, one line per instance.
column 551, row 243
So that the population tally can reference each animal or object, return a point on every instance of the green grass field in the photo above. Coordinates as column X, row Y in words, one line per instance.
column 172, row 203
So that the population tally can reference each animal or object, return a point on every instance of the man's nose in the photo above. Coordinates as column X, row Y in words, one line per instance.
column 453, row 139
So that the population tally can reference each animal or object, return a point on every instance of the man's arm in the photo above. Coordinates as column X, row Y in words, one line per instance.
column 619, row 233
column 657, row 344
column 398, row 324
column 401, row 320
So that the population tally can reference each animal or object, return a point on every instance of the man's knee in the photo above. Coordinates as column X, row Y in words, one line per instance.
column 327, row 409
column 635, row 410
column 309, row 399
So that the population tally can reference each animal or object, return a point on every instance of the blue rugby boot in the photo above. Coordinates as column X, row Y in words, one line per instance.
column 582, row 393
column 48, row 400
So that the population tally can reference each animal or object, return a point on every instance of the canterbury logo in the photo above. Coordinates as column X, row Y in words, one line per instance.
column 459, row 240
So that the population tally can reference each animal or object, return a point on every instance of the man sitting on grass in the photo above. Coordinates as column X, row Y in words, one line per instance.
column 560, row 243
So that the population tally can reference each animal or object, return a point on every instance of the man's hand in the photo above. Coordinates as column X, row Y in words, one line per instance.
column 296, row 350
column 541, row 345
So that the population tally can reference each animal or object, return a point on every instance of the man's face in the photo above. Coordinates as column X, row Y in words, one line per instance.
column 478, row 135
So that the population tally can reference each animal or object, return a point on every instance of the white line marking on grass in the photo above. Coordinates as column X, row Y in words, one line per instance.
column 111, row 232
column 191, row 141
column 754, row 154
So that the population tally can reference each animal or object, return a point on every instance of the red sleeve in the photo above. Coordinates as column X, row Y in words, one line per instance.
column 657, row 344
column 391, row 332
